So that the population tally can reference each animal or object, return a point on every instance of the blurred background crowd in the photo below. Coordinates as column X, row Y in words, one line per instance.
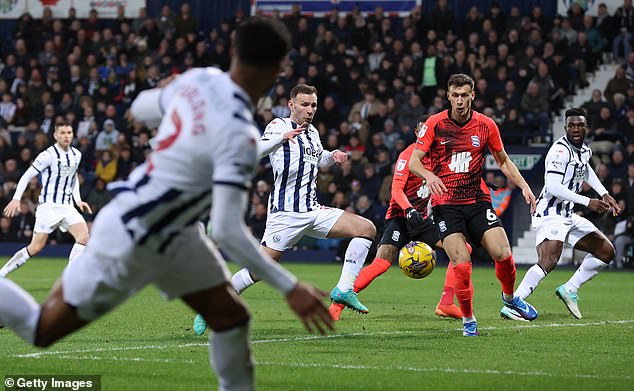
column 376, row 75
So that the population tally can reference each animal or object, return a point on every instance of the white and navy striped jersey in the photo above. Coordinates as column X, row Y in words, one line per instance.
column 58, row 170
column 207, row 136
column 295, row 167
column 571, row 164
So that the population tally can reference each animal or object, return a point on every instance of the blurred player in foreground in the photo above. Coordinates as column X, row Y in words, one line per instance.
column 148, row 232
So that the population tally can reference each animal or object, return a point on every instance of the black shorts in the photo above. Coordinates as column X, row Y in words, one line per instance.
column 397, row 234
column 472, row 220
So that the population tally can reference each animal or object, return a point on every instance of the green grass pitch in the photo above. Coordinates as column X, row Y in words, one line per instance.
column 147, row 344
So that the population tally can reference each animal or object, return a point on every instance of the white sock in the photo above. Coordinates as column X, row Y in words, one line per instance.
column 529, row 283
column 353, row 262
column 76, row 251
column 242, row 280
column 15, row 262
column 18, row 310
column 589, row 268
column 231, row 360
column 471, row 318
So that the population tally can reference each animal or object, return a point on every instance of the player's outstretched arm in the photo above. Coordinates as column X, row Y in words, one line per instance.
column 83, row 206
column 13, row 207
column 594, row 182
column 230, row 232
column 147, row 107
column 510, row 170
column 416, row 166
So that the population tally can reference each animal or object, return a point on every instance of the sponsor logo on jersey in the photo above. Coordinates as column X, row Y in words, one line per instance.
column 401, row 164
column 396, row 235
column 475, row 141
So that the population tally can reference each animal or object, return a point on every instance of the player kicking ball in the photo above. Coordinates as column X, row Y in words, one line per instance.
column 555, row 222
column 296, row 153
column 56, row 204
column 406, row 220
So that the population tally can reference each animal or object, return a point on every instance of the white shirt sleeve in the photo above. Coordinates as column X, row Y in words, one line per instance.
column 43, row 161
column 594, row 181
column 30, row 173
column 272, row 138
column 557, row 160
column 557, row 189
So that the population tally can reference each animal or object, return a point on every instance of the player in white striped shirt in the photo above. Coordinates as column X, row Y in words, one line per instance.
column 296, row 154
column 57, row 166
column 555, row 222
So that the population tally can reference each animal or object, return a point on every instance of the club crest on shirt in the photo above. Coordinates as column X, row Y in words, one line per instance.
column 475, row 141
column 401, row 164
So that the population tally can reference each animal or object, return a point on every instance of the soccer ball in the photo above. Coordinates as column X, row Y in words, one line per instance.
column 416, row 260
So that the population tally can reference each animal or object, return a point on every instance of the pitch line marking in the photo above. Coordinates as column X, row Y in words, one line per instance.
column 443, row 370
column 311, row 337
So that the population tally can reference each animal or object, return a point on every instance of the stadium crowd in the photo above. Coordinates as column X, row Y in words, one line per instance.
column 376, row 75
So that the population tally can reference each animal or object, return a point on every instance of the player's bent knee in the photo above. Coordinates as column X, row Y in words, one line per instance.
column 607, row 252
column 367, row 230
column 226, row 320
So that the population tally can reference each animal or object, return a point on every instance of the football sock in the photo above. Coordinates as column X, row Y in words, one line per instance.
column 448, row 289
column 505, row 272
column 18, row 310
column 76, row 251
column 370, row 272
column 15, row 262
column 231, row 358
column 529, row 283
column 242, row 280
column 353, row 262
column 464, row 288
column 589, row 268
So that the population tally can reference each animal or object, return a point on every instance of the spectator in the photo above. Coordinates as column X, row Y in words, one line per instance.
column 24, row 223
column 624, row 18
column 106, row 169
column 7, row 234
column 535, row 110
column 107, row 137
column 367, row 107
column 618, row 83
column 98, row 196
column 257, row 222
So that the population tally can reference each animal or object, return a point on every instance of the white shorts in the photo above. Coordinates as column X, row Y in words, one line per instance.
column 563, row 229
column 49, row 217
column 285, row 229
column 112, row 268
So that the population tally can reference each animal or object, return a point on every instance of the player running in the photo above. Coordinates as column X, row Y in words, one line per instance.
column 555, row 222
column 455, row 141
column 148, row 233
column 57, row 166
column 406, row 220
column 296, row 153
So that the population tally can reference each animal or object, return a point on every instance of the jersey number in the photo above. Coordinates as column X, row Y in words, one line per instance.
column 460, row 161
column 166, row 142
